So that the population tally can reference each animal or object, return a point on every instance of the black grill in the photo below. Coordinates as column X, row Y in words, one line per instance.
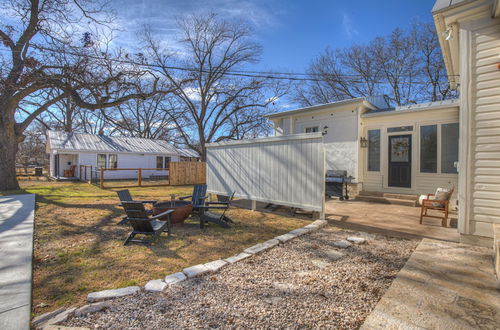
column 336, row 184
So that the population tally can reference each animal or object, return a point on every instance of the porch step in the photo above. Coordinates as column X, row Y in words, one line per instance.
column 389, row 195
column 383, row 198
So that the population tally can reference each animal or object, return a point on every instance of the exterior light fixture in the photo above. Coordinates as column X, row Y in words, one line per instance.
column 325, row 130
column 363, row 142
column 448, row 34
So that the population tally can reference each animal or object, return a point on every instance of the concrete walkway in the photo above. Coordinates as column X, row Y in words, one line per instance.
column 16, row 249
column 444, row 285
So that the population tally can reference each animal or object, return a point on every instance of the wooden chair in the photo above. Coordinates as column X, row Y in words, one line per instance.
column 218, row 218
column 198, row 197
column 436, row 205
column 71, row 172
column 125, row 196
column 144, row 224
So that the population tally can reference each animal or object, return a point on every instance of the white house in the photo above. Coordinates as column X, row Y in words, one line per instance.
column 417, row 148
column 75, row 149
column 469, row 34
column 407, row 150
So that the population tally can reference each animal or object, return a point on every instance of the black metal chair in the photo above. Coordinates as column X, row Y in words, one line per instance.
column 217, row 218
column 125, row 196
column 144, row 224
column 198, row 197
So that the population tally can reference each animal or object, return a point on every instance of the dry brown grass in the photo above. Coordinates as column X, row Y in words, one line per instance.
column 79, row 246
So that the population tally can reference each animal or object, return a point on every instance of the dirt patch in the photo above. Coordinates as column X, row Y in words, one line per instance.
column 305, row 283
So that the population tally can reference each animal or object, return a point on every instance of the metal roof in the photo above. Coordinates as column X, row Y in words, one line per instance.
column 64, row 141
column 414, row 107
column 320, row 107
column 446, row 4
column 188, row 153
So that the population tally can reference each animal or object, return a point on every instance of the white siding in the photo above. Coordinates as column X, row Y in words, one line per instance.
column 126, row 161
column 485, row 123
column 285, row 170
column 341, row 139
column 422, row 183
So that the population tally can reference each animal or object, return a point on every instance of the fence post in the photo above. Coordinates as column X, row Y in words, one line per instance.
column 139, row 177
column 102, row 178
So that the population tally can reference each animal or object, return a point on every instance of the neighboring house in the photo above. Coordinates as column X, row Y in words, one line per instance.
column 469, row 34
column 67, row 149
column 409, row 150
column 189, row 155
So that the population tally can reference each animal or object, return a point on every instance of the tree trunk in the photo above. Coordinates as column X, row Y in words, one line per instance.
column 9, row 145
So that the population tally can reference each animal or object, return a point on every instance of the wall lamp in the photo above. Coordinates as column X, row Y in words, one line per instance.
column 363, row 142
column 325, row 130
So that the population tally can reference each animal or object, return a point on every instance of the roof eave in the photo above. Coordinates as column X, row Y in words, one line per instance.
column 455, row 104
column 321, row 107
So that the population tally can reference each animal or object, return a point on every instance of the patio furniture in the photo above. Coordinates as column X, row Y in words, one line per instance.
column 182, row 210
column 440, row 202
column 125, row 196
column 144, row 224
column 198, row 197
column 217, row 218
column 71, row 172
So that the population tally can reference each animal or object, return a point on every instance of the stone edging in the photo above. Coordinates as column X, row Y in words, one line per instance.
column 96, row 299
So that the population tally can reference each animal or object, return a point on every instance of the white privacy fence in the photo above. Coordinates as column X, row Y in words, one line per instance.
column 285, row 170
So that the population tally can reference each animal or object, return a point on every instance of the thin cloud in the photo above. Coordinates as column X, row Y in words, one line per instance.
column 161, row 15
column 348, row 26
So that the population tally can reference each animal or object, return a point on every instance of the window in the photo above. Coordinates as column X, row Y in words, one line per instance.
column 159, row 162
column 449, row 147
column 400, row 129
column 374, row 150
column 101, row 160
column 428, row 149
column 113, row 161
column 167, row 162
column 314, row 129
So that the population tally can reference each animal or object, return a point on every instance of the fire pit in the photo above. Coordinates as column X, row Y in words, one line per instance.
column 182, row 210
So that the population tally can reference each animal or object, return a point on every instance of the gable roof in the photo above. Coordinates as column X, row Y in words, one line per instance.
column 58, row 140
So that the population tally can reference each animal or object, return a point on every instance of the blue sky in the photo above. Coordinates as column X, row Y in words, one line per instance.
column 291, row 32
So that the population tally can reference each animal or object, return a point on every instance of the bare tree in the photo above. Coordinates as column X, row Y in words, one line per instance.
column 406, row 65
column 32, row 149
column 149, row 118
column 211, row 97
column 49, row 58
column 338, row 75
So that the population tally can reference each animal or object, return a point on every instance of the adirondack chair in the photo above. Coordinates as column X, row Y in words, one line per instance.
column 125, row 196
column 198, row 197
column 439, row 205
column 144, row 224
column 218, row 218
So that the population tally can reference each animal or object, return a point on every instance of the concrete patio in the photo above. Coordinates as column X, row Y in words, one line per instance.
column 443, row 285
column 16, row 248
column 388, row 219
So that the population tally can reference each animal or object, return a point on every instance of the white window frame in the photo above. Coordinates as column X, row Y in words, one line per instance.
column 439, row 151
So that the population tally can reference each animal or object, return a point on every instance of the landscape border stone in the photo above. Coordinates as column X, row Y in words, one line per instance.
column 193, row 271
column 113, row 293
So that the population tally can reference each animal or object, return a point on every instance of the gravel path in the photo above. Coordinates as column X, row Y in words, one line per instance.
column 304, row 283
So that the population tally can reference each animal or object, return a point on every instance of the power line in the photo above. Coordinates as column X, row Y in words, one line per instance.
column 290, row 76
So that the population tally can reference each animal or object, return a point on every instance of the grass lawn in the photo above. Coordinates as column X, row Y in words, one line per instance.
column 79, row 246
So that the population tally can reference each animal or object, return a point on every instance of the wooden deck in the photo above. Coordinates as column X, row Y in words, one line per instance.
column 394, row 220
